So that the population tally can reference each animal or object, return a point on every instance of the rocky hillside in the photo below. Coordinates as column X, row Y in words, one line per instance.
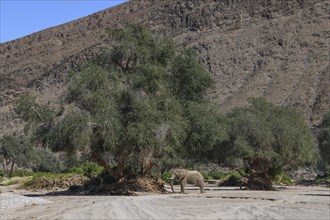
column 278, row 49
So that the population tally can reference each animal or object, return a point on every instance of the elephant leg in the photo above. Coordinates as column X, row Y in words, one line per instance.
column 183, row 183
column 201, row 186
column 172, row 185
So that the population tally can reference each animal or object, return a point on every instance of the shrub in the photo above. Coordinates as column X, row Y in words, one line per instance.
column 324, row 142
column 206, row 176
column 22, row 173
column 283, row 178
column 14, row 180
column 88, row 168
column 166, row 176
column 234, row 174
column 216, row 174
column 323, row 179
column 47, row 161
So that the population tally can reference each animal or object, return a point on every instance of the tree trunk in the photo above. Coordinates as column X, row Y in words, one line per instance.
column 11, row 169
column 100, row 161
column 258, row 178
column 146, row 169
column 97, row 140
column 121, row 163
column 4, row 167
column 5, row 164
column 259, row 181
column 147, row 164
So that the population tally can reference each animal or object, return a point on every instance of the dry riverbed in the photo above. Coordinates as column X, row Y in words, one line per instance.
column 294, row 202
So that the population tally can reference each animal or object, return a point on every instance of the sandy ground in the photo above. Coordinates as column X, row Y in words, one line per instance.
column 295, row 202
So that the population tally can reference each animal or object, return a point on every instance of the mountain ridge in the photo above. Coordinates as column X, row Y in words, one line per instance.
column 271, row 48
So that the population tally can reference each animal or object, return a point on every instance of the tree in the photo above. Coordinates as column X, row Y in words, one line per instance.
column 206, row 129
column 128, row 106
column 267, row 139
column 46, row 161
column 19, row 151
column 39, row 118
column 15, row 151
column 324, row 141
column 189, row 80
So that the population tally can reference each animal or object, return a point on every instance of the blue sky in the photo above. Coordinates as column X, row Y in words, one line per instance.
column 23, row 17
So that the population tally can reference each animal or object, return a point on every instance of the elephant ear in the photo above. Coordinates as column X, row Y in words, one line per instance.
column 181, row 173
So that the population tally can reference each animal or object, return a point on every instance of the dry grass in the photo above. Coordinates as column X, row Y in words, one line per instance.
column 133, row 187
column 54, row 182
column 15, row 180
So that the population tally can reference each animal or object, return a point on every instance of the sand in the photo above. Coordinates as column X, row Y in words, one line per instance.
column 294, row 202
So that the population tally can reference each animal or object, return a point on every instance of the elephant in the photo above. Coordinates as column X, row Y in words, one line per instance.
column 187, row 176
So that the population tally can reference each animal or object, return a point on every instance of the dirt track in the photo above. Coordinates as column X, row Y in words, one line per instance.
column 217, row 203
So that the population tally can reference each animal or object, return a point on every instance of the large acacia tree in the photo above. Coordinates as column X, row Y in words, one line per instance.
column 135, row 104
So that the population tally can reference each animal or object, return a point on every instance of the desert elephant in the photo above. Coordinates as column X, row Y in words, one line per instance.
column 187, row 176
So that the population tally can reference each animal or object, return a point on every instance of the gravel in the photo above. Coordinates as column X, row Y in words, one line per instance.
column 8, row 201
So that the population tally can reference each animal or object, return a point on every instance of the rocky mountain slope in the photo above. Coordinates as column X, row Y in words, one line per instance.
column 278, row 49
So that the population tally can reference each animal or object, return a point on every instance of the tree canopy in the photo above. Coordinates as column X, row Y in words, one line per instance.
column 15, row 151
column 20, row 151
column 140, row 100
column 268, row 138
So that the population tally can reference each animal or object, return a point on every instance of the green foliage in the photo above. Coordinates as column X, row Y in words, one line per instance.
column 32, row 111
column 16, row 150
column 14, row 180
column 71, row 133
column 216, row 174
column 324, row 141
column 9, row 181
column 43, row 180
column 20, row 151
column 189, row 80
column 166, row 176
column 46, row 161
column 206, row 128
column 39, row 117
column 269, row 137
column 325, row 179
column 88, row 169
column 221, row 175
column 283, row 178
column 234, row 173
column 22, row 173
column 206, row 176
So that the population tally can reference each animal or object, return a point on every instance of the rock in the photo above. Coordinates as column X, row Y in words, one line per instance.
column 275, row 49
